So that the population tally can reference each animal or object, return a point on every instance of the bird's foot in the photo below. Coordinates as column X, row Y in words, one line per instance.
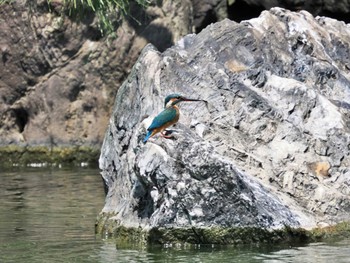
column 168, row 132
column 165, row 135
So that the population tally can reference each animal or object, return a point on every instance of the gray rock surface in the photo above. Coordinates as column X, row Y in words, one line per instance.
column 58, row 77
column 272, row 147
column 206, row 12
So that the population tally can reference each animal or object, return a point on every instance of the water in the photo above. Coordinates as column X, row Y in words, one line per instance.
column 49, row 216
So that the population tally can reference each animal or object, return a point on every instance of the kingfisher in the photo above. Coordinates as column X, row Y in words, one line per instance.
column 169, row 116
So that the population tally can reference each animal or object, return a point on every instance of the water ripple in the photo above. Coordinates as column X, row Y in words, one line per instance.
column 49, row 216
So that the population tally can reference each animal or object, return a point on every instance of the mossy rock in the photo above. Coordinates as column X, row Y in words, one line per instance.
column 14, row 155
column 338, row 231
column 112, row 228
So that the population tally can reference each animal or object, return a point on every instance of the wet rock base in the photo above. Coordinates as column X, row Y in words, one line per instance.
column 138, row 236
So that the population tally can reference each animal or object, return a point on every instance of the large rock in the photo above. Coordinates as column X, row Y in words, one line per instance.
column 270, row 150
column 59, row 77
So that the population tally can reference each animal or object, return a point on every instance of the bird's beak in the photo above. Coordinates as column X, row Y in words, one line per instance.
column 187, row 99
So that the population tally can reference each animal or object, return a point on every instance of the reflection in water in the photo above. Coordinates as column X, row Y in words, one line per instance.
column 337, row 252
column 319, row 252
column 49, row 216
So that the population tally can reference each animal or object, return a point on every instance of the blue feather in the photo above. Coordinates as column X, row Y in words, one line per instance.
column 147, row 136
column 162, row 118
column 169, row 97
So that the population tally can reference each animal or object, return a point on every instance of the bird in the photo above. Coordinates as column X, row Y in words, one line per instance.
column 169, row 116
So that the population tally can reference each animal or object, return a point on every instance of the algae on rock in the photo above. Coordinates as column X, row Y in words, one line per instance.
column 14, row 155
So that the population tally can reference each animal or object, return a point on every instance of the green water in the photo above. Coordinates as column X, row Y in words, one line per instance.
column 49, row 216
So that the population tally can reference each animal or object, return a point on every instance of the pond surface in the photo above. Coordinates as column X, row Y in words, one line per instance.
column 49, row 216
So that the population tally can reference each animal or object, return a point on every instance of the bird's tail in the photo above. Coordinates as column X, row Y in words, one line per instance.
column 148, row 135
